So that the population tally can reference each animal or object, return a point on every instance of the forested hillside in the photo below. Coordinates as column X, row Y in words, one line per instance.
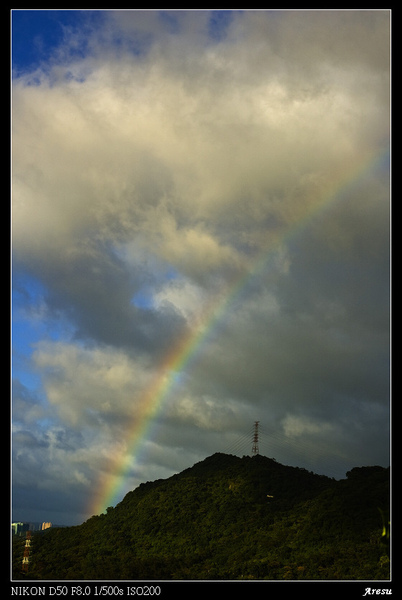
column 228, row 518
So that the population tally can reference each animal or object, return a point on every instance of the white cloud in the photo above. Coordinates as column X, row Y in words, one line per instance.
column 89, row 385
column 142, row 146
column 205, row 412
column 185, row 296
column 295, row 426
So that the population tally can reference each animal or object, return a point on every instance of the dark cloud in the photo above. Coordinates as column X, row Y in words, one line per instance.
column 93, row 289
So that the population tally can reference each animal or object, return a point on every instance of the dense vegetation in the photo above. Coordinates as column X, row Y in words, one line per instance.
column 217, row 521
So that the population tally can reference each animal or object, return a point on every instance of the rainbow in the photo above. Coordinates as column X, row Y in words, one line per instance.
column 150, row 404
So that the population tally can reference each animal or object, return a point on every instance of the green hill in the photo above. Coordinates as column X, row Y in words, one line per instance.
column 228, row 518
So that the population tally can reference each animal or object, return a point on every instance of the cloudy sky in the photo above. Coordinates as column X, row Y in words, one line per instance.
column 207, row 186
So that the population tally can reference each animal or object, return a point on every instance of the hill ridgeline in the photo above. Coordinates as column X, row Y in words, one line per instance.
column 228, row 518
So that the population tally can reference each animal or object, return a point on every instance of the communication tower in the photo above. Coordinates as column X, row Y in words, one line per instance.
column 25, row 558
column 255, row 449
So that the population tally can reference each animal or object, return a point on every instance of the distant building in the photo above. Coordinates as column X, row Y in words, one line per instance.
column 46, row 525
column 19, row 528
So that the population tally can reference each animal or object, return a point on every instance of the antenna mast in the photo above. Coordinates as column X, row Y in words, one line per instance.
column 255, row 449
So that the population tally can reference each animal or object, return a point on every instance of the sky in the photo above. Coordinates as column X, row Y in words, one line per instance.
column 200, row 240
